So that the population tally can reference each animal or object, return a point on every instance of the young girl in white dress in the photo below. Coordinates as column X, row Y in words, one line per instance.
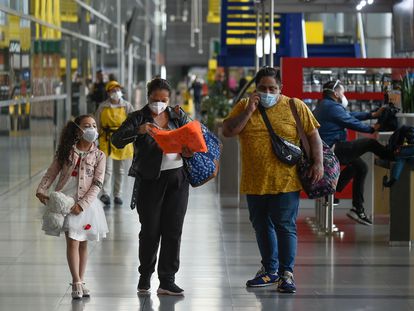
column 80, row 168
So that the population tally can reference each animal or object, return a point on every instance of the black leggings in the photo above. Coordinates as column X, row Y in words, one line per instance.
column 349, row 153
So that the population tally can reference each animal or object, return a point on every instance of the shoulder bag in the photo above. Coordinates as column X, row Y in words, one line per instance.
column 284, row 150
column 331, row 167
column 204, row 166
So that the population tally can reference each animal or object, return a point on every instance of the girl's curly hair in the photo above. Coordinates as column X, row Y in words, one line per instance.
column 68, row 137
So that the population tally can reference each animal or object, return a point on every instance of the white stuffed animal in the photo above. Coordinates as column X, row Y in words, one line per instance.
column 57, row 208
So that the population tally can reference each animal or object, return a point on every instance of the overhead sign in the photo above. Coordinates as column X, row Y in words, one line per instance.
column 238, row 33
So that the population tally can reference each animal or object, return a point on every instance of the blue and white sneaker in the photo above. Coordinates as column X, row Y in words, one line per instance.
column 286, row 283
column 264, row 279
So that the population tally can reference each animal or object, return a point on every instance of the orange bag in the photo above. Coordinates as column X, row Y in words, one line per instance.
column 173, row 141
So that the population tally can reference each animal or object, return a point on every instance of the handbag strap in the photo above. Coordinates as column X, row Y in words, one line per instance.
column 267, row 122
column 299, row 126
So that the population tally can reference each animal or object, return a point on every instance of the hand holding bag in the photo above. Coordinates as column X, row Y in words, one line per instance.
column 285, row 151
column 331, row 167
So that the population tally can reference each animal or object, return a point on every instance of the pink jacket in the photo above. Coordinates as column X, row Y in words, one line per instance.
column 91, row 175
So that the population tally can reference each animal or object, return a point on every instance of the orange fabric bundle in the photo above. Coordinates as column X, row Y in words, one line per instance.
column 189, row 135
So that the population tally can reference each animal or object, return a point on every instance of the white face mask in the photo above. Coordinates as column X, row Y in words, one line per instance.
column 344, row 101
column 116, row 95
column 157, row 107
column 90, row 134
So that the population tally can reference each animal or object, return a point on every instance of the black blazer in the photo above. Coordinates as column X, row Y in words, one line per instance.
column 146, row 163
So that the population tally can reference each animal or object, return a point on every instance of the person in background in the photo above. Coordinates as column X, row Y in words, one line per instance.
column 109, row 116
column 160, row 188
column 76, row 86
column 272, row 187
column 242, row 83
column 79, row 167
column 98, row 93
column 197, row 87
column 331, row 113
column 111, row 77
column 218, row 86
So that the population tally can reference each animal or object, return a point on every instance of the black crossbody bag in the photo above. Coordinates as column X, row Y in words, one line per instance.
column 285, row 151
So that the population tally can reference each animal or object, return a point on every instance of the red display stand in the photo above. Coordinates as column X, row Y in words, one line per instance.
column 292, row 71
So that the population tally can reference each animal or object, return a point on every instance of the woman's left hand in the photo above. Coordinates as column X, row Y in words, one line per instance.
column 187, row 152
column 76, row 209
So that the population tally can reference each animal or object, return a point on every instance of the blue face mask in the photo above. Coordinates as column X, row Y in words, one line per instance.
column 268, row 100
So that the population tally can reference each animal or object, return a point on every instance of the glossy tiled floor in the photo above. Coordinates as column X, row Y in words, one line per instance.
column 219, row 253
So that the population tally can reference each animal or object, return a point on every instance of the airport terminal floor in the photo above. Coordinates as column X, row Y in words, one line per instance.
column 219, row 253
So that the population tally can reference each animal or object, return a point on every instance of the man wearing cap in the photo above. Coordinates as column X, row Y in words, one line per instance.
column 109, row 117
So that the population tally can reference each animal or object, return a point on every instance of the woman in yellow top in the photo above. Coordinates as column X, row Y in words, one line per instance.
column 271, row 186
column 109, row 117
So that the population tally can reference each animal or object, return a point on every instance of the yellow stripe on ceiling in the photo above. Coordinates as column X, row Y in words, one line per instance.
column 250, row 16
column 241, row 16
column 243, row 41
column 241, row 32
column 240, row 41
column 249, row 24
column 240, row 8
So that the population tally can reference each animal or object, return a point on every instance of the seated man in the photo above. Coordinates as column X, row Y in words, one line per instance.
column 334, row 119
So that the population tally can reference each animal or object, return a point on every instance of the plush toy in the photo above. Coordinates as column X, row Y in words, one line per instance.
column 57, row 208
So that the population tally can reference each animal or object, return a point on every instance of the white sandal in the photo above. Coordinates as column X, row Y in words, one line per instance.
column 86, row 291
column 77, row 292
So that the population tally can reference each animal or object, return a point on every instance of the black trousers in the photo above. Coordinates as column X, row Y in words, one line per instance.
column 349, row 153
column 161, row 206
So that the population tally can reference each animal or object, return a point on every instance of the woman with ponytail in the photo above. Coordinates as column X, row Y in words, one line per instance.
column 79, row 167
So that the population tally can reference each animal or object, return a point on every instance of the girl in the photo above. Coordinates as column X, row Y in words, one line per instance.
column 81, row 169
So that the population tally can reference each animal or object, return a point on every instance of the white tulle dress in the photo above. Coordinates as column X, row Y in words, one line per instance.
column 91, row 223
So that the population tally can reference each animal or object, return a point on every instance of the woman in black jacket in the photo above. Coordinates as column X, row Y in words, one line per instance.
column 161, row 187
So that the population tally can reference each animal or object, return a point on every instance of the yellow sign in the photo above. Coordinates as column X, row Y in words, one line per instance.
column 213, row 15
column 69, row 9
column 73, row 63
column 48, row 11
column 314, row 32
column 212, row 64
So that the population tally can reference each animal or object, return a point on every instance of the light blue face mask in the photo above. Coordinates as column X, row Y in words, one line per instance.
column 268, row 100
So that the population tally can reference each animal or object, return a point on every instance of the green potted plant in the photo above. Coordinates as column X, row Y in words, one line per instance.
column 407, row 100
column 407, row 94
column 214, row 107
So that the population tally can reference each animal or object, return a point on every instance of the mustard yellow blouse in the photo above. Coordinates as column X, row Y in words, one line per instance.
column 262, row 172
